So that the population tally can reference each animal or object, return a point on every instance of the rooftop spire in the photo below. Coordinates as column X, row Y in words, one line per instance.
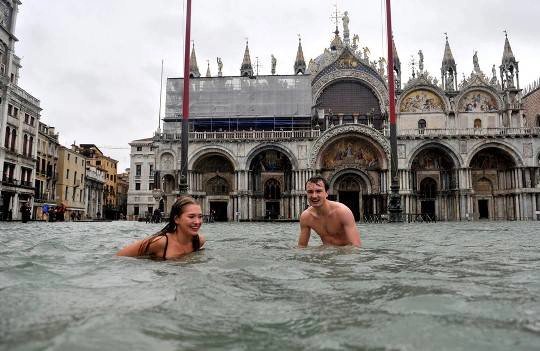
column 448, row 58
column 397, row 63
column 246, row 70
column 300, row 63
column 193, row 67
column 508, row 55
column 208, row 74
column 448, row 69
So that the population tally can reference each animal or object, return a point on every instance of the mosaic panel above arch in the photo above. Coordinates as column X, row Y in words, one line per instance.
column 361, row 131
column 351, row 150
column 477, row 101
column 421, row 101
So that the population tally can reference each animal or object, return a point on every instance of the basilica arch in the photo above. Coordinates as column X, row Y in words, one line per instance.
column 354, row 160
column 496, row 180
column 270, row 182
column 212, row 179
column 434, row 181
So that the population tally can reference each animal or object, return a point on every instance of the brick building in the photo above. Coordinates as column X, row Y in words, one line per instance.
column 531, row 104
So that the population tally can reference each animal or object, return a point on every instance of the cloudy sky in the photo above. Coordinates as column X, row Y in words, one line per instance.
column 95, row 65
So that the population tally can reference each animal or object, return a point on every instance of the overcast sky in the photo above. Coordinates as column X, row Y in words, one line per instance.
column 95, row 65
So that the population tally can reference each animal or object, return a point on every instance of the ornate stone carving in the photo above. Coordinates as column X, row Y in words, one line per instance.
column 527, row 150
column 463, row 146
column 167, row 162
column 401, row 151
column 344, row 129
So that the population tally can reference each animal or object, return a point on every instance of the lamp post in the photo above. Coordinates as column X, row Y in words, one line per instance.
column 183, row 185
column 394, row 205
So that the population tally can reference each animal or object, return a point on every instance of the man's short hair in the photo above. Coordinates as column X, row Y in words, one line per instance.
column 316, row 180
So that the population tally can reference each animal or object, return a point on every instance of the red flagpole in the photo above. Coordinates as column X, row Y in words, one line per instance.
column 394, row 205
column 183, row 185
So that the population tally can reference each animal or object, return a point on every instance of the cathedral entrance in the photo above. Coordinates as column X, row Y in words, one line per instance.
column 272, row 210
column 352, row 200
column 427, row 209
column 218, row 210
column 349, row 188
column 483, row 209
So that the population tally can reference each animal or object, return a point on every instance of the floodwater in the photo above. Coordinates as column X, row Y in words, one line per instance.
column 439, row 286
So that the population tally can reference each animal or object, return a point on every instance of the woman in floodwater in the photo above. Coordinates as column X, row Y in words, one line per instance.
column 179, row 237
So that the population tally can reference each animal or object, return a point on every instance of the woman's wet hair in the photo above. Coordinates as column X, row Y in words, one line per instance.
column 177, row 210
column 316, row 180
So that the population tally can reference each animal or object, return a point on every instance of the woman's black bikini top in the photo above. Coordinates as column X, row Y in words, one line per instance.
column 195, row 242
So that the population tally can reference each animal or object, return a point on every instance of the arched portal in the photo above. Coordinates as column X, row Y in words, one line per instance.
column 434, row 182
column 270, row 182
column 495, row 183
column 428, row 195
column 351, row 190
column 212, row 176
column 354, row 164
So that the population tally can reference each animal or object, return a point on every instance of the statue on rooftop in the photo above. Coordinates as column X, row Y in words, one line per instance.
column 345, row 20
column 220, row 67
column 475, row 62
column 274, row 62
column 421, row 61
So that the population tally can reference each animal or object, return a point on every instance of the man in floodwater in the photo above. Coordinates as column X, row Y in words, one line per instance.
column 333, row 221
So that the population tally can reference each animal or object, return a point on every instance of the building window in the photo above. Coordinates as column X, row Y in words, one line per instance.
column 272, row 190
column 217, row 186
column 68, row 156
column 137, row 186
column 13, row 139
column 139, row 148
column 66, row 194
column 6, row 138
column 98, row 163
column 30, row 146
column 26, row 118
column 151, row 186
column 32, row 119
column 138, row 170
column 136, row 210
column 25, row 144
column 10, row 109
column 538, row 120
column 67, row 174
column 477, row 123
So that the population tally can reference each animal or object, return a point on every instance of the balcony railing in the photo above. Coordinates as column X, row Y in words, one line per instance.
column 480, row 132
column 22, row 93
column 315, row 133
column 15, row 182
column 244, row 135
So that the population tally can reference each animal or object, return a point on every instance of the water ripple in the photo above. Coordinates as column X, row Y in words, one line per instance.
column 444, row 286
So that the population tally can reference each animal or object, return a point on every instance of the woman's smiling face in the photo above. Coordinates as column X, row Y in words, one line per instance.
column 190, row 221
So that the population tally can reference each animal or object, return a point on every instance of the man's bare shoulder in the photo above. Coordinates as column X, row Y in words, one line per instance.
column 306, row 215
column 339, row 208
column 334, row 205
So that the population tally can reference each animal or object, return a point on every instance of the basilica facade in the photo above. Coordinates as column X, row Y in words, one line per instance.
column 465, row 151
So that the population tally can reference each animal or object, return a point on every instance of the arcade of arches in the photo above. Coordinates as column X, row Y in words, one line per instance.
column 436, row 186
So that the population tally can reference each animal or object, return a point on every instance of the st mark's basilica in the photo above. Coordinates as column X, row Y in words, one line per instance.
column 465, row 151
